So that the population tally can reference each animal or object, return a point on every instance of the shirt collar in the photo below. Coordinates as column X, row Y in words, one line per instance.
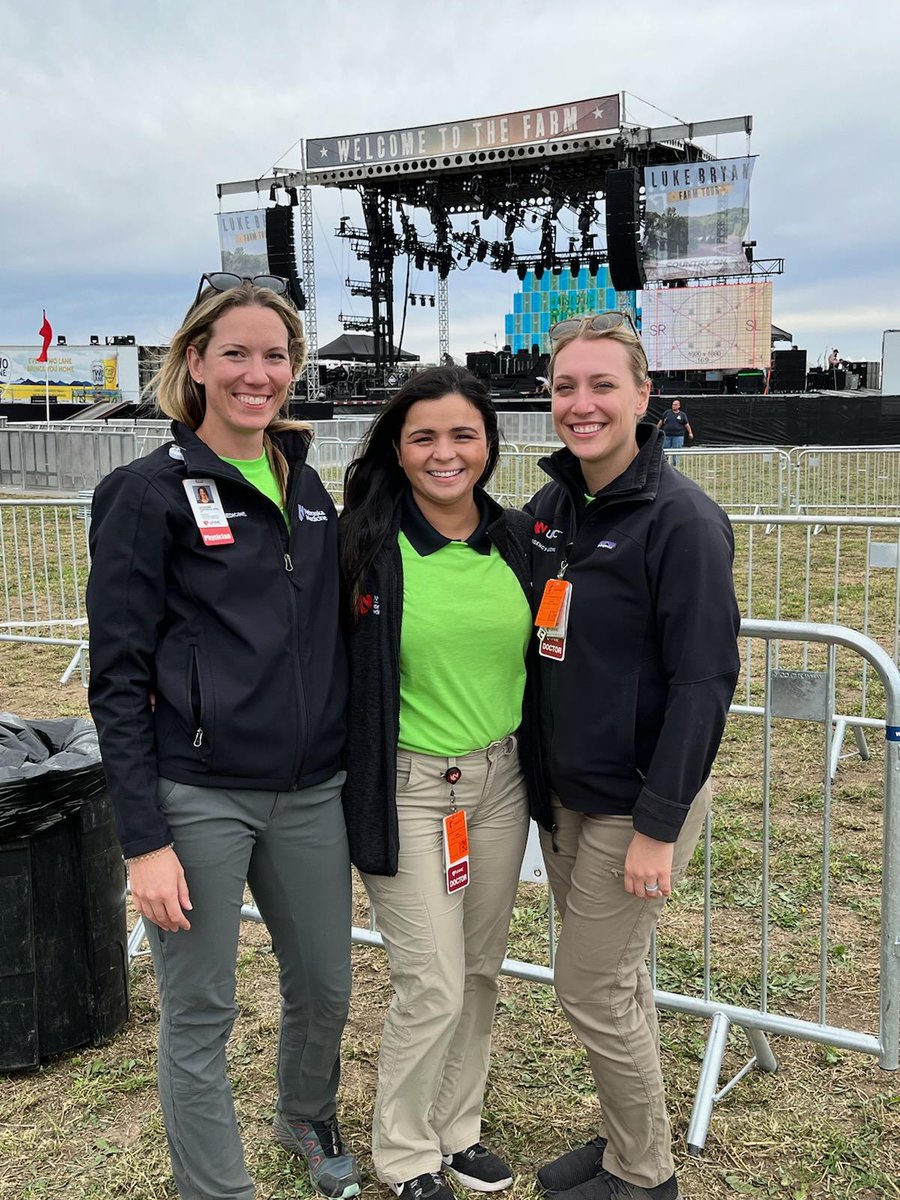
column 425, row 539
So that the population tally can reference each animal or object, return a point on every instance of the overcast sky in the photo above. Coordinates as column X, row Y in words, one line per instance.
column 117, row 120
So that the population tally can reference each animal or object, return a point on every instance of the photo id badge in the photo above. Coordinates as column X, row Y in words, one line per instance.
column 553, row 619
column 456, row 851
column 203, row 497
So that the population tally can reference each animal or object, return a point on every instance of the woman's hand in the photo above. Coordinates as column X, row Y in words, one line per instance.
column 159, row 890
column 648, row 867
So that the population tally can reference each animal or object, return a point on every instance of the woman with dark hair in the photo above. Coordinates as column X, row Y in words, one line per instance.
column 437, row 584
column 218, row 684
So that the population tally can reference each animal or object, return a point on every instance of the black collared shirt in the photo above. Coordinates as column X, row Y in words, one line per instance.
column 425, row 539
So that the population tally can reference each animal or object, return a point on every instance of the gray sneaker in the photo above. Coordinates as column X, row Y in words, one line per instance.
column 332, row 1169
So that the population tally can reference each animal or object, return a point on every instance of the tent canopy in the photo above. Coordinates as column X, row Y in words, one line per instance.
column 359, row 347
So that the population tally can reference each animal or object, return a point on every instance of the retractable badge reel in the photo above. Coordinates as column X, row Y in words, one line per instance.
column 456, row 838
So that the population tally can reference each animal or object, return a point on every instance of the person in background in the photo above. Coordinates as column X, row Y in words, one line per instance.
column 218, row 685
column 675, row 424
column 638, row 663
column 438, row 590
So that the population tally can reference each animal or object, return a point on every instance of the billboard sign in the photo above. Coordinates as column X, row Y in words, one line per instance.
column 242, row 242
column 721, row 327
column 74, row 372
column 463, row 137
column 696, row 218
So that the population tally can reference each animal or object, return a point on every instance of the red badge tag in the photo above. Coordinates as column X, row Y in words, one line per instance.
column 203, row 497
column 456, row 851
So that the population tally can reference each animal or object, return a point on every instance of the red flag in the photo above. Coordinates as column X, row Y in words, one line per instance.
column 46, row 332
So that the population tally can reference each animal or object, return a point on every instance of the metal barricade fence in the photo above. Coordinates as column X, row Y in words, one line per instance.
column 44, row 564
column 844, row 570
column 740, row 907
column 850, row 479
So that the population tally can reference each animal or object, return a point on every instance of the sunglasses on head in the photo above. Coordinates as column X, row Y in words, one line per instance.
column 601, row 323
column 224, row 281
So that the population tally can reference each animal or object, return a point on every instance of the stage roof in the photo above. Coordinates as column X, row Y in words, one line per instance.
column 360, row 347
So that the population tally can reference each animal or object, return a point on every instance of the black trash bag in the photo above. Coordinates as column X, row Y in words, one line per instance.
column 48, row 769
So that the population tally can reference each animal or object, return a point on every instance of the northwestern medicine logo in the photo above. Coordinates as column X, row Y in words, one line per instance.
column 310, row 514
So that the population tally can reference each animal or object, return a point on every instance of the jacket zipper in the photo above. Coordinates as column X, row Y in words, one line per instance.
column 197, row 715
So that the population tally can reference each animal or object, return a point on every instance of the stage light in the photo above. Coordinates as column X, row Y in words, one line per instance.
column 538, row 271
column 522, row 271
column 481, row 251
column 273, row 194
column 594, row 265
column 575, row 267
column 487, row 212
column 476, row 228
column 510, row 227
column 444, row 268
column 292, row 195
column 420, row 259
column 412, row 301
column 431, row 301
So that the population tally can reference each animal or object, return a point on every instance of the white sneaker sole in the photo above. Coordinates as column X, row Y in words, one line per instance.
column 478, row 1185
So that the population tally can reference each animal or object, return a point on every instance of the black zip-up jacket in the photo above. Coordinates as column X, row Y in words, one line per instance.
column 240, row 643
column 370, row 792
column 633, row 715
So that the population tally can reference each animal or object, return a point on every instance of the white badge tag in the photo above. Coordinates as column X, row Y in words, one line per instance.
column 203, row 497
column 552, row 641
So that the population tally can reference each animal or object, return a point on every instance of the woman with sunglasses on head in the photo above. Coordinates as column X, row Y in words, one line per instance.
column 638, row 663
column 438, row 586
column 218, row 684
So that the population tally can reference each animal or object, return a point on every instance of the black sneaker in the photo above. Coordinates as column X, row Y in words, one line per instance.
column 479, row 1169
column 430, row 1186
column 605, row 1186
column 332, row 1169
column 574, row 1167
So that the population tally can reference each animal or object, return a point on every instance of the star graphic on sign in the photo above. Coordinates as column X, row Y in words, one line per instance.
column 323, row 153
column 597, row 113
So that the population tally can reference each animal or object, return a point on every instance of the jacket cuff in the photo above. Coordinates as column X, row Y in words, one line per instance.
column 658, row 818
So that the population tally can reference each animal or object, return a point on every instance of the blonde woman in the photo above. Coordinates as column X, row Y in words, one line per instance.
column 218, row 685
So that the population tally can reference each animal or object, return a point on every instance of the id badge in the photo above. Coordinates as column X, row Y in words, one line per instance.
column 203, row 497
column 553, row 619
column 456, row 851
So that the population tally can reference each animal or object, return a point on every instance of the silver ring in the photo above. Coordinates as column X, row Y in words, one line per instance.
column 651, row 887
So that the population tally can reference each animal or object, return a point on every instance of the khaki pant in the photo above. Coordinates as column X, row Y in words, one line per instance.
column 603, row 983
column 445, row 953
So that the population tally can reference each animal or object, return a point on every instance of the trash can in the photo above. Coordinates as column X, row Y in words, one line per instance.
column 63, row 933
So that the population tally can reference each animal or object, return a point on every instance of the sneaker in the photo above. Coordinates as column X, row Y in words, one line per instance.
column 479, row 1169
column 332, row 1169
column 574, row 1167
column 430, row 1186
column 605, row 1186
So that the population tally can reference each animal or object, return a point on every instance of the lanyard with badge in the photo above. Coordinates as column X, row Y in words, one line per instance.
column 552, row 618
column 456, row 837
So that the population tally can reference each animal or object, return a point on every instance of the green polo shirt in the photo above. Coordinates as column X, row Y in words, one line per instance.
column 465, row 629
column 258, row 471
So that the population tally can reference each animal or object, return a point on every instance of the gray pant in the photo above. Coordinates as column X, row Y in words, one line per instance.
column 291, row 847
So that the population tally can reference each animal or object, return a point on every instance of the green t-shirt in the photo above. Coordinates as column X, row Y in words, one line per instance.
column 466, row 625
column 258, row 471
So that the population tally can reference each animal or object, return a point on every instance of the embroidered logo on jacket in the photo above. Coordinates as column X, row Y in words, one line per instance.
column 606, row 545
column 368, row 604
column 311, row 514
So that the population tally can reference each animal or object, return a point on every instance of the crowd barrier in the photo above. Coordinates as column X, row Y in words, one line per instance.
column 784, row 693
column 754, row 479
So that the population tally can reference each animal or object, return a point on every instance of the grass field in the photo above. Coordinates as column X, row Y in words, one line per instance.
column 827, row 1124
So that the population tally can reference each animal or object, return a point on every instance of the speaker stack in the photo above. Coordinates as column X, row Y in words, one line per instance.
column 623, row 229
column 788, row 371
column 280, row 249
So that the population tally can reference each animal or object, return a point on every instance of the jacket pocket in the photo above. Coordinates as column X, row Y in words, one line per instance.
column 195, row 700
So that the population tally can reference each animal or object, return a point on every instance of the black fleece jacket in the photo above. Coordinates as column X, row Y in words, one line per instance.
column 633, row 715
column 240, row 643
column 370, row 806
